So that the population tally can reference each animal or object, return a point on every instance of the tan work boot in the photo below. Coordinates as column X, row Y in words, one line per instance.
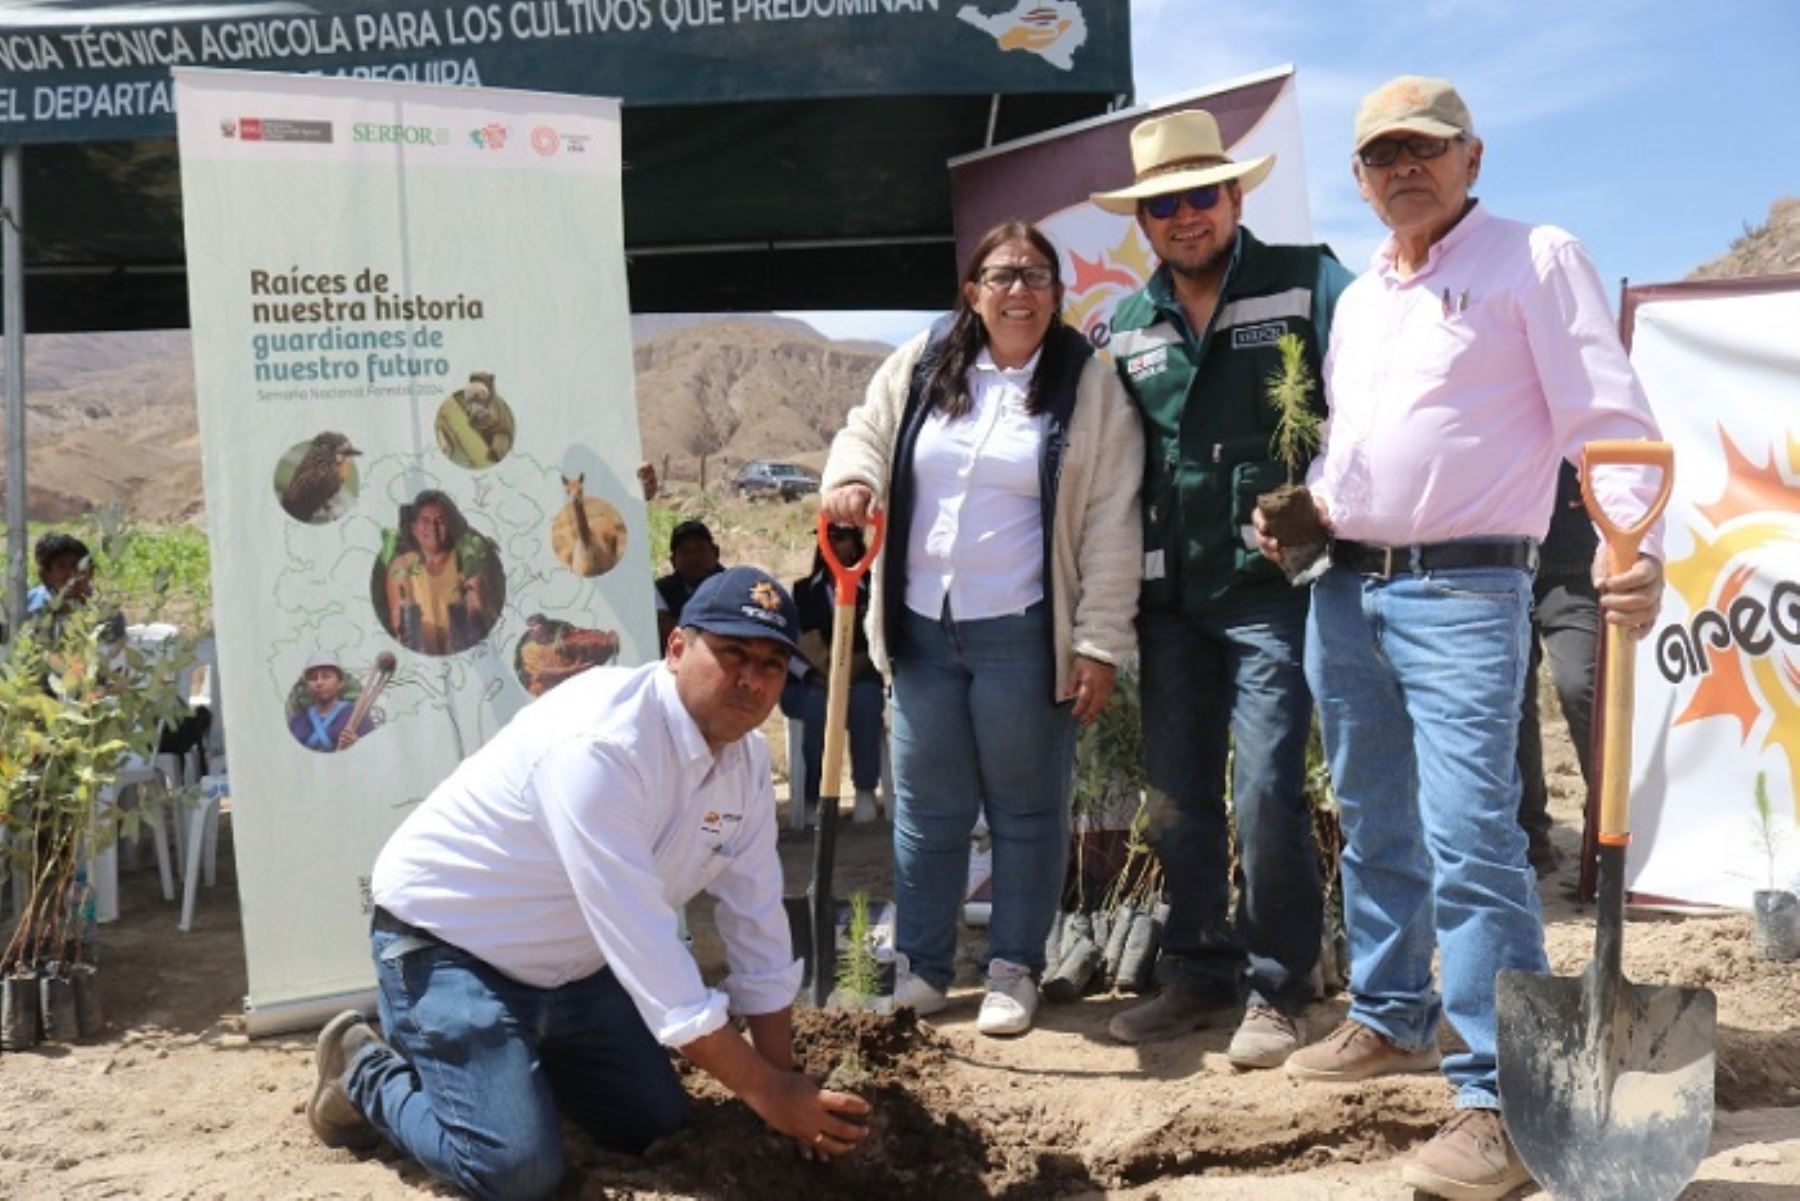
column 331, row 1113
column 1469, row 1159
column 1265, row 1038
column 1171, row 1013
column 1355, row 1052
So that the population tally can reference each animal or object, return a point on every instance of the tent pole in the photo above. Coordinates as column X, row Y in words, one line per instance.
column 12, row 297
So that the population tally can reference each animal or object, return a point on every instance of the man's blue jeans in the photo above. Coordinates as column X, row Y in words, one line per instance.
column 1419, row 681
column 480, row 1064
column 1233, row 679
column 976, row 730
column 804, row 701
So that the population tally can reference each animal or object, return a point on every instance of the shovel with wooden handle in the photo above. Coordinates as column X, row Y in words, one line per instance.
column 1607, row 1086
column 837, row 713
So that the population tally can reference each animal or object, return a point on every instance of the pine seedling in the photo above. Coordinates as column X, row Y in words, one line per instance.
column 858, row 975
column 1768, row 835
column 1289, row 391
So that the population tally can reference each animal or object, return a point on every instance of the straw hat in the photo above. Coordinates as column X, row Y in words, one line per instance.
column 1177, row 152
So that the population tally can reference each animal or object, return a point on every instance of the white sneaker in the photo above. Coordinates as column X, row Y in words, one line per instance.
column 866, row 809
column 912, row 992
column 1011, row 1001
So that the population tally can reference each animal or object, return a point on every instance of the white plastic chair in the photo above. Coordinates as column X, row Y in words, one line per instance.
column 796, row 752
column 103, row 864
column 202, row 844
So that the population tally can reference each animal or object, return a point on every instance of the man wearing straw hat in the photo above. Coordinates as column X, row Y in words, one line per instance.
column 1221, row 630
column 1474, row 356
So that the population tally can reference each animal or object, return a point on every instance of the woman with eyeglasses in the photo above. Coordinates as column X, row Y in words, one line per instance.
column 1008, row 459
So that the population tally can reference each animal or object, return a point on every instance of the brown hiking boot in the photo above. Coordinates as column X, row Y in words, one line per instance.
column 331, row 1113
column 1469, row 1159
column 1265, row 1038
column 1171, row 1013
column 1355, row 1052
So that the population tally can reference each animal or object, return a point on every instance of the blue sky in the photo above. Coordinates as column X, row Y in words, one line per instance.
column 1654, row 130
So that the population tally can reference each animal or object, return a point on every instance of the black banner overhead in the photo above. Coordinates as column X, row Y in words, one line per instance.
column 72, row 70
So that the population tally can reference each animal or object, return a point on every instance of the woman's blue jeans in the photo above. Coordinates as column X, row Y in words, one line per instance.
column 804, row 701
column 1418, row 681
column 481, row 1069
column 976, row 730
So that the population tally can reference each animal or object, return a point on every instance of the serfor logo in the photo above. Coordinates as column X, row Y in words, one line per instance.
column 1740, row 646
column 410, row 135
column 1051, row 29
column 545, row 141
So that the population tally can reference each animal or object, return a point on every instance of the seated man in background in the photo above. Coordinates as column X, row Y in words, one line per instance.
column 695, row 557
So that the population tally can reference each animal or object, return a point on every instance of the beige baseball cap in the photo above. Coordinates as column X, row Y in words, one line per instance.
column 1412, row 104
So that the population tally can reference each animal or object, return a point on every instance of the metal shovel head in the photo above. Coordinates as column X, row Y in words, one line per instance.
column 1606, row 1103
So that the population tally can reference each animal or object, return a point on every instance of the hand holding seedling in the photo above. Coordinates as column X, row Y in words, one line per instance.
column 1271, row 547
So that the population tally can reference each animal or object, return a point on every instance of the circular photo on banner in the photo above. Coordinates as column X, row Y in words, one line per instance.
column 316, row 480
column 438, row 585
column 587, row 533
column 475, row 425
column 551, row 651
column 329, row 710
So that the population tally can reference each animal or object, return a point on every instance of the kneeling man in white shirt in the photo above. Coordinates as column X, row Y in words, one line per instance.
column 525, row 933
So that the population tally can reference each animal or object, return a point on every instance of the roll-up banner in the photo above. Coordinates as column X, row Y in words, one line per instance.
column 413, row 358
column 1718, row 681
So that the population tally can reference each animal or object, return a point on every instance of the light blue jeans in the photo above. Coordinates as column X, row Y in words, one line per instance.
column 480, row 1069
column 976, row 731
column 1418, row 682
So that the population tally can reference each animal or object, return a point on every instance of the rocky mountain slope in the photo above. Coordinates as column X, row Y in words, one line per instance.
column 111, row 416
column 1772, row 248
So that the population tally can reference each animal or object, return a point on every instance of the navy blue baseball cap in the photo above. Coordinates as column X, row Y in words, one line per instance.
column 744, row 602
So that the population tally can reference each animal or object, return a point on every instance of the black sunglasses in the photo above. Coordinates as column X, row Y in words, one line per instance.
column 1383, row 152
column 1199, row 199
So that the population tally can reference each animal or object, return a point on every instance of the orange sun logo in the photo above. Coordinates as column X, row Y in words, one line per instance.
column 1741, row 643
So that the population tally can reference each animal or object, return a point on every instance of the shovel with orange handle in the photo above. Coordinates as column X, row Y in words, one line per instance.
column 822, row 904
column 1607, row 1086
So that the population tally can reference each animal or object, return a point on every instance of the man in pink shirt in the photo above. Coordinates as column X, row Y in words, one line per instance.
column 1464, row 366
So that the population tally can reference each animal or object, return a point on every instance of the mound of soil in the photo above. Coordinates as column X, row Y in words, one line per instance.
column 919, row 1144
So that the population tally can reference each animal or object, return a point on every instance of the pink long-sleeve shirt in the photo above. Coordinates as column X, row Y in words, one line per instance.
column 1455, row 393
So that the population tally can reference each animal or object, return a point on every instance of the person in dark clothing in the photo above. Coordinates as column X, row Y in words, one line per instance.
column 1565, row 625
column 803, row 699
column 695, row 557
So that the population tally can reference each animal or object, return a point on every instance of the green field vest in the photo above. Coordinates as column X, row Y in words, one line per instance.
column 1207, row 427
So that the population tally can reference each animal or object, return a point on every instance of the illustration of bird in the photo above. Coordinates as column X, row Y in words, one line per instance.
column 322, row 473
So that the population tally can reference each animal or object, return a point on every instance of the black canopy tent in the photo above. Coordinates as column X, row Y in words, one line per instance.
column 778, row 153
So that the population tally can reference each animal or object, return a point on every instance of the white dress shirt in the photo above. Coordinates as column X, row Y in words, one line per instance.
column 568, row 842
column 978, row 526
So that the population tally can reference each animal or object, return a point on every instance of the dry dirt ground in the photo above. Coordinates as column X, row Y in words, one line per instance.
column 176, row 1102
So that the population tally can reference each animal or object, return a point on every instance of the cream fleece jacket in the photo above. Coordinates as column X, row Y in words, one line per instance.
column 1097, row 553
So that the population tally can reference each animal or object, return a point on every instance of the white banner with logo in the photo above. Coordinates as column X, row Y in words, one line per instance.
column 413, row 358
column 1718, row 685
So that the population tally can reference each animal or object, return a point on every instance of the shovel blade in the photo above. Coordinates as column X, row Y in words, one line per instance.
column 1606, row 1103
